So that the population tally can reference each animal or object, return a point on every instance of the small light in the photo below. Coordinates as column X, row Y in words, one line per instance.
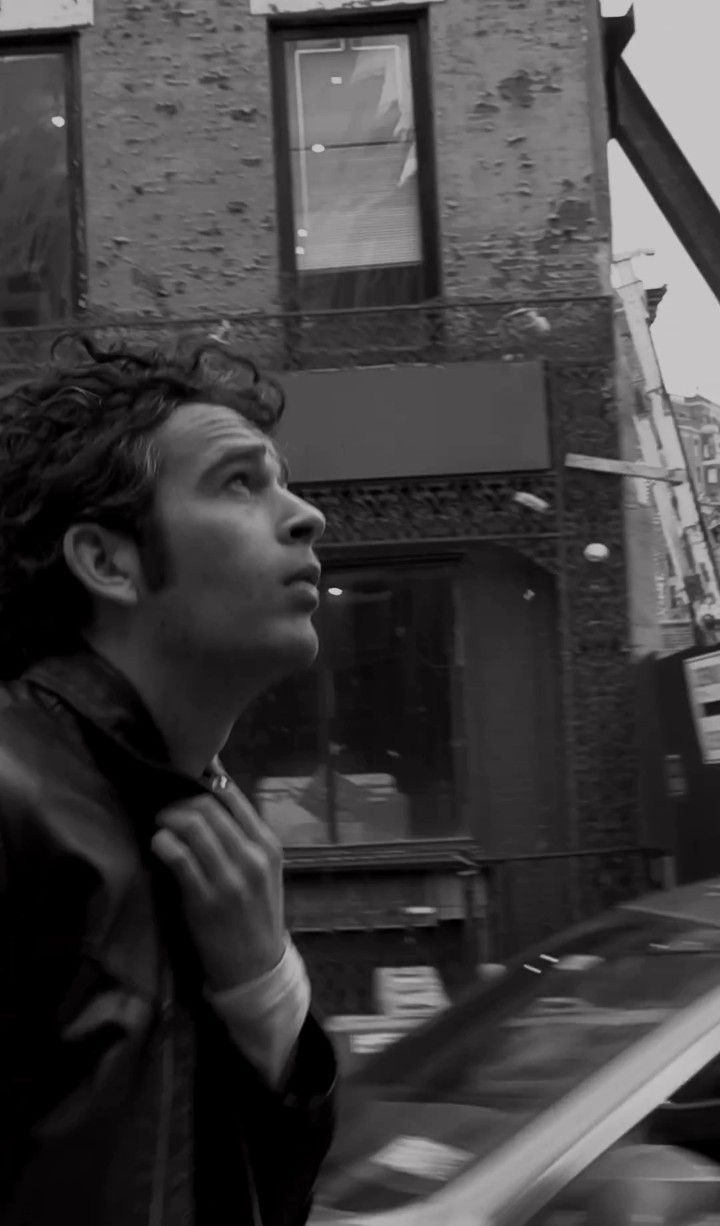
column 299, row 251
column 596, row 552
column 490, row 971
column 529, row 594
column 302, row 233
column 335, row 591
column 336, row 80
column 531, row 501
column 535, row 969
column 318, row 148
column 58, row 121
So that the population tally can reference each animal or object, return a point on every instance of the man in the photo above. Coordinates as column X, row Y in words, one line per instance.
column 158, row 1063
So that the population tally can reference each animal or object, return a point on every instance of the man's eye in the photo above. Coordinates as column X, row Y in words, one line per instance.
column 242, row 479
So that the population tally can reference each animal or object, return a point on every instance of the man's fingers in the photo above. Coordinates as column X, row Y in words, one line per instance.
column 193, row 827
column 247, row 820
column 250, row 856
column 210, row 828
column 225, row 837
column 181, row 862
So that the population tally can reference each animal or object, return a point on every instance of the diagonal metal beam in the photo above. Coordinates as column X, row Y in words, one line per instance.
column 659, row 160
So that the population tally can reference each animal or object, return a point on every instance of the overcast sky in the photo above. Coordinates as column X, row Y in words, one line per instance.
column 675, row 56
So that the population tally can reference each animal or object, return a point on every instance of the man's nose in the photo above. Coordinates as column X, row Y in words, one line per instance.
column 308, row 522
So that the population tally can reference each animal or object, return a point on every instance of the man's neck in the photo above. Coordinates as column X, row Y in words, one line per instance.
column 194, row 708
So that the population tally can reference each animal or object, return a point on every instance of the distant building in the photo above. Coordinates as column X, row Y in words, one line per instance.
column 698, row 420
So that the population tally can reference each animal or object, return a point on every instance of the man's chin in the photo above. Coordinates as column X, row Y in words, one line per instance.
column 298, row 648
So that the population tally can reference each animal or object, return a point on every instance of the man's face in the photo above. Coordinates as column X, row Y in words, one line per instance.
column 236, row 539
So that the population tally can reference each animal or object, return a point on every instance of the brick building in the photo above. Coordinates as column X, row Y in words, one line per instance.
column 401, row 210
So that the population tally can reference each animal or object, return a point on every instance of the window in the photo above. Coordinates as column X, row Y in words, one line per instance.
column 712, row 476
column 361, row 748
column 430, row 676
column 39, row 197
column 356, row 191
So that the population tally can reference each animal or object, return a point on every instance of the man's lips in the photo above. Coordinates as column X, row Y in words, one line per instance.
column 306, row 574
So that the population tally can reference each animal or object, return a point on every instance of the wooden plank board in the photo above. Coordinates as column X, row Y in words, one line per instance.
column 624, row 468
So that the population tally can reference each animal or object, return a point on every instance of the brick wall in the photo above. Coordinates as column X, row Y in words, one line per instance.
column 178, row 153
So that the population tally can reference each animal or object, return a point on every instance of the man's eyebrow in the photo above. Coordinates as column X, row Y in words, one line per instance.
column 242, row 452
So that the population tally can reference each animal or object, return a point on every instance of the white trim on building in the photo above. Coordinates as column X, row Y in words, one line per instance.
column 270, row 8
column 33, row 16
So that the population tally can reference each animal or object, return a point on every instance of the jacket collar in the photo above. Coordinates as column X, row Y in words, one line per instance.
column 95, row 690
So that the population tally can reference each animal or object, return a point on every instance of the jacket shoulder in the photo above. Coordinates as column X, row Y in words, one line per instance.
column 33, row 743
column 41, row 762
column 68, row 848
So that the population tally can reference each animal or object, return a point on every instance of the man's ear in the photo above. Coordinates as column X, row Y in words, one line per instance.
column 106, row 563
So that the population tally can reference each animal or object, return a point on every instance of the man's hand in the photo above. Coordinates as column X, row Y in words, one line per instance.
column 228, row 865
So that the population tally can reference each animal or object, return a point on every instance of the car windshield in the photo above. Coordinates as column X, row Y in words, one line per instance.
column 441, row 1100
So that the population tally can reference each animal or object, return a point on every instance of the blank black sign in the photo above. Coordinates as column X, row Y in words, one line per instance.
column 413, row 421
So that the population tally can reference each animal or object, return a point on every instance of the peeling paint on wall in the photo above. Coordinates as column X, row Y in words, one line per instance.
column 517, row 89
column 179, row 158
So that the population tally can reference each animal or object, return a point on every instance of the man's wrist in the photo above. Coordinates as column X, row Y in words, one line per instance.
column 223, row 975
column 231, row 985
column 265, row 1017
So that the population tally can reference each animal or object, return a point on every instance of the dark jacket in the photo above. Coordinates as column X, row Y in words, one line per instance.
column 123, row 1101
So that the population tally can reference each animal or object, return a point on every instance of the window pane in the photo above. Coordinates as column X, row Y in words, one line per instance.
column 276, row 754
column 35, row 226
column 361, row 747
column 353, row 153
column 388, row 645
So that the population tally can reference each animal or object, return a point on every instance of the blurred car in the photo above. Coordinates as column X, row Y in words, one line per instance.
column 582, row 1086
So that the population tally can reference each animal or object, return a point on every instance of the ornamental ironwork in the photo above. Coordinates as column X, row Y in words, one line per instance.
column 560, row 330
column 452, row 509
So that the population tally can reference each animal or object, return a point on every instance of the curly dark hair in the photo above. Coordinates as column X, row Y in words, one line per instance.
column 77, row 445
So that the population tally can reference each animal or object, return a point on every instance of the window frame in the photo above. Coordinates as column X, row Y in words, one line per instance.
column 413, row 24
column 452, row 556
column 67, row 44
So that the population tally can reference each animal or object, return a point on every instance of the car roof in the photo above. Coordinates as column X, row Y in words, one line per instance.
column 699, row 902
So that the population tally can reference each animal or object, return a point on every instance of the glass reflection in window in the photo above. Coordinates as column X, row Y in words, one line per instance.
column 360, row 749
